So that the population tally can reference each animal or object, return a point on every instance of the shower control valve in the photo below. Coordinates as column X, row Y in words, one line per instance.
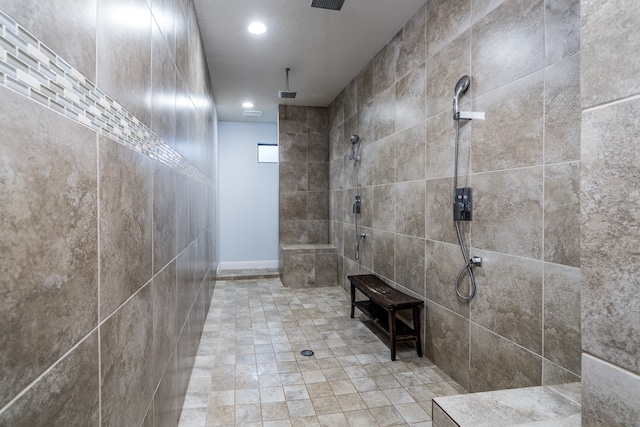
column 357, row 205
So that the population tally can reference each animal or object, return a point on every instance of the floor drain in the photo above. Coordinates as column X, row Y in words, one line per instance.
column 307, row 353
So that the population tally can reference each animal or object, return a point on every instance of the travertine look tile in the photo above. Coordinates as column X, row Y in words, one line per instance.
column 350, row 99
column 66, row 395
column 410, row 99
column 496, row 363
column 446, row 20
column 410, row 153
column 561, row 211
column 439, row 213
column 164, row 216
column 165, row 12
column 410, row 208
column 124, row 59
column 608, row 238
column 447, row 343
column 293, row 177
column 318, row 207
column 508, row 212
column 443, row 71
column 483, row 7
column 335, row 113
column 562, row 111
column 412, row 46
column 318, row 148
column 364, row 84
column 316, row 123
column 443, row 262
column 384, row 106
column 516, row 30
column 508, row 300
column 293, row 206
column 125, row 223
column 384, row 255
column 384, row 67
column 609, row 42
column 440, row 148
column 366, row 119
column 48, row 223
column 410, row 263
column 167, row 404
column 293, row 147
column 513, row 137
column 163, row 76
column 56, row 24
column 610, row 395
column 562, row 19
column 384, row 210
column 126, row 364
column 165, row 333
column 336, row 146
column 553, row 374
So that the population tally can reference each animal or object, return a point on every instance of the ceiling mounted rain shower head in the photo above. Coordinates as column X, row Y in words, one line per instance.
column 327, row 4
column 287, row 93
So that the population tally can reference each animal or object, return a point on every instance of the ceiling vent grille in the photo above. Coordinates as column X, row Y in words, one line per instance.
column 252, row 113
column 327, row 4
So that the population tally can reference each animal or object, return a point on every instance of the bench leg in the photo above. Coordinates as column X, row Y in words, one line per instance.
column 353, row 299
column 416, row 327
column 392, row 332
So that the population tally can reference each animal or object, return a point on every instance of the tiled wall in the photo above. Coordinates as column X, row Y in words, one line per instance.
column 106, row 210
column 610, row 224
column 523, row 163
column 303, row 175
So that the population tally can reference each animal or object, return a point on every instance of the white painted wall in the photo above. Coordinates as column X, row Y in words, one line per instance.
column 248, row 208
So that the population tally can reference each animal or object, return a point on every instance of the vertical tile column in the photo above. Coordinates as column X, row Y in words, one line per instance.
column 610, row 226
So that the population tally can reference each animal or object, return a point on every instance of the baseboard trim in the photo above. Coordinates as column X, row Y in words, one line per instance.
column 246, row 265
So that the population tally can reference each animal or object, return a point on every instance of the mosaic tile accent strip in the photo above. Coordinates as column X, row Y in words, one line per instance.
column 30, row 68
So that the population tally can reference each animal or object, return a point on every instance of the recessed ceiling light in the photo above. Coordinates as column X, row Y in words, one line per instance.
column 257, row 28
column 247, row 104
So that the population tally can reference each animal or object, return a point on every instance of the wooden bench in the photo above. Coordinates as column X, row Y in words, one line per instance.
column 381, row 307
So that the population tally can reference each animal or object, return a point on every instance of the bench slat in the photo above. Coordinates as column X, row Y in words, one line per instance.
column 381, row 293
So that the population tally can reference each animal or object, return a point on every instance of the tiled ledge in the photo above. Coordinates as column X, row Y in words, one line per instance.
column 549, row 406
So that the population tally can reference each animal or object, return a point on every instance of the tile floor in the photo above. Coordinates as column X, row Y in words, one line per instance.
column 249, row 370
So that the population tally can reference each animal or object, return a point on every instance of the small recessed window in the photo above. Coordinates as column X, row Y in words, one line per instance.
column 267, row 153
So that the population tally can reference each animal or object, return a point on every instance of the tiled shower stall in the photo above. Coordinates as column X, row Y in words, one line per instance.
column 107, row 199
column 107, row 130
column 556, row 295
column 523, row 163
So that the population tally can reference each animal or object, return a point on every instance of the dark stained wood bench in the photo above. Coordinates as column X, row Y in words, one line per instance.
column 381, row 307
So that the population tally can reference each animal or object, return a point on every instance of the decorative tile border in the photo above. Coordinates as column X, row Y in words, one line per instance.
column 29, row 67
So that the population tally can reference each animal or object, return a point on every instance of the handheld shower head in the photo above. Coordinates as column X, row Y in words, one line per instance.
column 355, row 139
column 461, row 88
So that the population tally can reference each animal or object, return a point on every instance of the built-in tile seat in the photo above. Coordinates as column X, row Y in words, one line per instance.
column 308, row 265
column 548, row 406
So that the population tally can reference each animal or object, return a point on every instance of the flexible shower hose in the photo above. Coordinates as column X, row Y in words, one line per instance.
column 468, row 264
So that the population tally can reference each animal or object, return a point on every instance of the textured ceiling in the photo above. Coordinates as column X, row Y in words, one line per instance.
column 325, row 49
